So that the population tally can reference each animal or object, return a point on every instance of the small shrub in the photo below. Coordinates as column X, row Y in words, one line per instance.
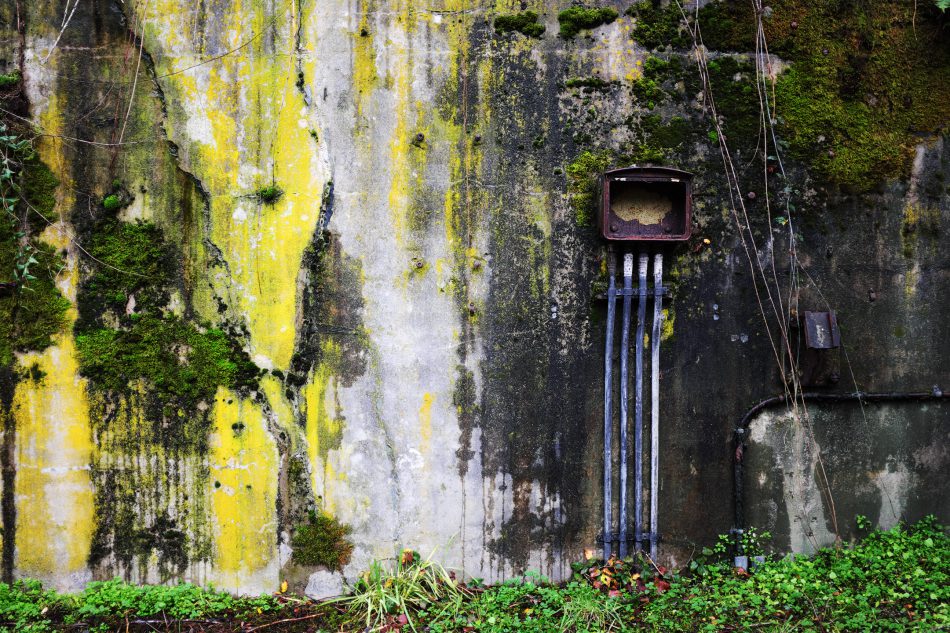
column 575, row 19
column 322, row 541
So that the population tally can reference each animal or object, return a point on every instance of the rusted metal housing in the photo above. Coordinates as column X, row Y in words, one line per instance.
column 815, row 342
column 650, row 204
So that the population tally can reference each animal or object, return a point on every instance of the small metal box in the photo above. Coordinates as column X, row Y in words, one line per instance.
column 646, row 204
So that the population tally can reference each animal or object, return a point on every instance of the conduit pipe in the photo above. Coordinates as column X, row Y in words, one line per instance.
column 638, row 422
column 624, row 379
column 608, row 393
column 655, row 401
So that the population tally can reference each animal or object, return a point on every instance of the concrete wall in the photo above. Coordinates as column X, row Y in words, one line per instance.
column 422, row 298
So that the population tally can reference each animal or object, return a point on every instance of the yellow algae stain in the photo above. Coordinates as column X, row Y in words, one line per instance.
column 282, row 410
column 243, row 495
column 54, row 492
column 323, row 417
column 425, row 421
column 263, row 243
column 364, row 72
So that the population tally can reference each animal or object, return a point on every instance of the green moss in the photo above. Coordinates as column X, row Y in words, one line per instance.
column 737, row 101
column 39, row 189
column 111, row 202
column 728, row 26
column 525, row 23
column 582, row 183
column 322, row 541
column 134, row 259
column 594, row 83
column 866, row 80
column 120, row 340
column 648, row 92
column 269, row 194
column 175, row 358
column 9, row 80
column 671, row 135
column 32, row 312
column 658, row 26
column 576, row 19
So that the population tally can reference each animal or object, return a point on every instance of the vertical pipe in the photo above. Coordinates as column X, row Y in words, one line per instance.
column 608, row 392
column 655, row 401
column 638, row 428
column 624, row 397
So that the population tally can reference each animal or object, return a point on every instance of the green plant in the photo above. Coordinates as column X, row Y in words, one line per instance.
column 269, row 194
column 398, row 591
column 576, row 19
column 9, row 79
column 322, row 541
column 32, row 306
column 656, row 25
column 525, row 23
column 111, row 203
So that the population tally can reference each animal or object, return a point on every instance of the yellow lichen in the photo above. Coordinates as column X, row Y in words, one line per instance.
column 243, row 490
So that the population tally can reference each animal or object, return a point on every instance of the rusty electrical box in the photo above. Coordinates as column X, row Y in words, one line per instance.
column 816, row 339
column 646, row 204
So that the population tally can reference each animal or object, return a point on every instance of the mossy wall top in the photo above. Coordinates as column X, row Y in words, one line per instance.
column 336, row 259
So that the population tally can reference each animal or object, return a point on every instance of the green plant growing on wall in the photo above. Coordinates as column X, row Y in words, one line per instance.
column 269, row 194
column 322, row 540
column 111, row 203
column 32, row 308
column 525, row 23
column 657, row 26
column 9, row 80
column 576, row 19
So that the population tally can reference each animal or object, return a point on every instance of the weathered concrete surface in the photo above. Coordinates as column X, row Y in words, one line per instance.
column 423, row 298
column 887, row 462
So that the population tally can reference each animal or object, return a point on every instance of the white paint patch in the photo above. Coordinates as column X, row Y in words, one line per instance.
column 893, row 483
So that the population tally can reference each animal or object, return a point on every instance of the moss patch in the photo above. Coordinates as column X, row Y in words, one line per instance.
column 31, row 314
column 174, row 356
column 867, row 80
column 322, row 540
column 133, row 259
column 658, row 26
column 576, row 19
column 582, row 184
column 33, row 310
column 9, row 80
column 525, row 23
column 126, row 334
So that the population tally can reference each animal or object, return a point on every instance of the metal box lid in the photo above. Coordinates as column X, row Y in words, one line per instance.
column 646, row 204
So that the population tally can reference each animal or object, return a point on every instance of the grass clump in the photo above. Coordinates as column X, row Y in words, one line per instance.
column 525, row 23
column 576, row 19
column 322, row 541
column 269, row 194
column 409, row 589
